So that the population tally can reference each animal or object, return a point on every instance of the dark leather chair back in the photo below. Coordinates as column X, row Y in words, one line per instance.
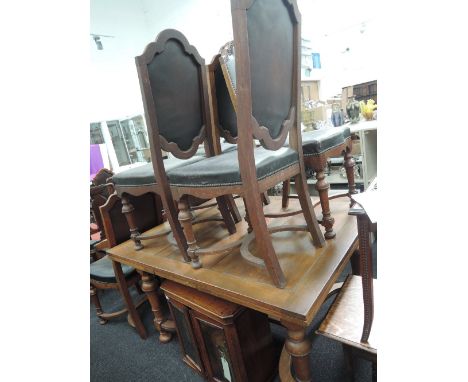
column 272, row 35
column 173, row 81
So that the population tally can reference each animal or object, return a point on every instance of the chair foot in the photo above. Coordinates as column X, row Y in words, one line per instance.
column 102, row 321
column 330, row 234
column 185, row 219
column 196, row 264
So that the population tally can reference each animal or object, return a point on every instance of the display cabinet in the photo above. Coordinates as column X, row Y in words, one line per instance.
column 220, row 340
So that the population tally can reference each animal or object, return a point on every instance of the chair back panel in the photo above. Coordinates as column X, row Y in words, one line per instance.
column 173, row 70
column 176, row 89
column 270, row 30
column 227, row 118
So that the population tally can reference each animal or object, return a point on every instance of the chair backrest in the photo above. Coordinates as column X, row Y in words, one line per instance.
column 223, row 100
column 148, row 214
column 267, row 63
column 174, row 89
column 100, row 190
column 101, row 177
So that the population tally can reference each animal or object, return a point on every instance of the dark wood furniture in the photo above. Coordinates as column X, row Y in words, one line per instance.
column 268, row 89
column 108, row 274
column 173, row 85
column 310, row 273
column 351, row 317
column 100, row 190
column 318, row 146
column 220, row 340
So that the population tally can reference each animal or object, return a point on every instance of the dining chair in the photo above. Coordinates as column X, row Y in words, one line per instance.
column 108, row 274
column 173, row 84
column 100, row 190
column 318, row 146
column 350, row 319
column 267, row 40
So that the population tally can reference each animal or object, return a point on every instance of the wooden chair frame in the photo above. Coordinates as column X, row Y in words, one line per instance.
column 226, row 204
column 316, row 162
column 251, row 188
column 122, row 283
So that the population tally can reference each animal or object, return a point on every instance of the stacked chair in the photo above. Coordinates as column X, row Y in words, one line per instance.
column 268, row 70
column 173, row 84
column 255, row 97
column 318, row 146
column 100, row 190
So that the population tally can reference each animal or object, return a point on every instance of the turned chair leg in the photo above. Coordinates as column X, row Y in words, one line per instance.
column 322, row 187
column 231, row 203
column 285, row 196
column 225, row 213
column 127, row 210
column 349, row 166
column 97, row 304
column 185, row 219
column 308, row 211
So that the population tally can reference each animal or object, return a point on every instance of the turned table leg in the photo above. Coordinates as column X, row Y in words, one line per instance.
column 150, row 287
column 298, row 347
column 127, row 210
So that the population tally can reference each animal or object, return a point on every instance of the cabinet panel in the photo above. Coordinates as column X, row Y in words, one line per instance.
column 186, row 338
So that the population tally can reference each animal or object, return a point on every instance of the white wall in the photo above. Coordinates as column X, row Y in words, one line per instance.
column 332, row 26
column 114, row 86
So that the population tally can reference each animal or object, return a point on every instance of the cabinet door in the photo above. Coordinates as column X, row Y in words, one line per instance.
column 214, row 348
column 187, row 342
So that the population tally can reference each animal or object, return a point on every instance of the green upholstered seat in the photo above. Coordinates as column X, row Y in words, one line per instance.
column 223, row 170
column 317, row 142
column 102, row 270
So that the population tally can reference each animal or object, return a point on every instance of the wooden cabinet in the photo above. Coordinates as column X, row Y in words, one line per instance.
column 220, row 340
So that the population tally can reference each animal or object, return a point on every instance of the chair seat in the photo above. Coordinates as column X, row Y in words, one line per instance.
column 345, row 319
column 317, row 142
column 102, row 270
column 93, row 243
column 223, row 170
column 144, row 175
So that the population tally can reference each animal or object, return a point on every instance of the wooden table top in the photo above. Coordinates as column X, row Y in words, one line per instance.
column 310, row 272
